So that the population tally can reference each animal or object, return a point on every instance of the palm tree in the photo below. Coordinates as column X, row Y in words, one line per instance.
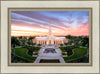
column 14, row 42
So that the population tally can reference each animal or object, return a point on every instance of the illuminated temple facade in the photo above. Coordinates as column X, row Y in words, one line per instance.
column 50, row 39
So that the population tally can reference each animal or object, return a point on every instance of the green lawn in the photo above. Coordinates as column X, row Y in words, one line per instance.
column 22, row 52
column 77, row 52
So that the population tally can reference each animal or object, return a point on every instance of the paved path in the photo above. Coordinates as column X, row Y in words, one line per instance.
column 52, row 56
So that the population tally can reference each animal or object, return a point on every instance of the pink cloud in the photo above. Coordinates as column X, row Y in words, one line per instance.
column 83, row 30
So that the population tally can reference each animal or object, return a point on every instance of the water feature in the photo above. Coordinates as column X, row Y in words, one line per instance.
column 49, row 50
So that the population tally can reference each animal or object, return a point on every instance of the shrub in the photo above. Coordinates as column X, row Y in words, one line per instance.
column 33, row 43
column 32, row 49
column 64, row 53
column 26, row 46
column 63, row 49
column 35, row 53
column 69, row 50
column 66, row 43
column 39, row 44
column 61, row 44
column 22, row 44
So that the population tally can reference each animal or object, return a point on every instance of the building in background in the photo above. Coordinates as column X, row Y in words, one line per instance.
column 50, row 39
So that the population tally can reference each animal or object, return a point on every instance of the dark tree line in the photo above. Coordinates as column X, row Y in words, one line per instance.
column 21, row 41
column 83, row 40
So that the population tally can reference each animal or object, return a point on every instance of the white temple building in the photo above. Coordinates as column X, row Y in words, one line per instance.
column 50, row 39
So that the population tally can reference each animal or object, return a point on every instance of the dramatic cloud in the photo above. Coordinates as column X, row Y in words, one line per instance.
column 30, row 23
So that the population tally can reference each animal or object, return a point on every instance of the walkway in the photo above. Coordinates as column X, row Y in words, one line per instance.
column 48, row 56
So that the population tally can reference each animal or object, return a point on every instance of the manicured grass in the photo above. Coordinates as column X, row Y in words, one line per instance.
column 83, row 59
column 77, row 52
column 22, row 52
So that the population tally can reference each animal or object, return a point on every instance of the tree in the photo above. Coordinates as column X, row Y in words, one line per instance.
column 20, row 37
column 33, row 43
column 39, row 45
column 61, row 44
column 69, row 36
column 23, row 40
column 30, row 40
column 76, row 41
column 14, row 42
column 66, row 43
column 85, row 41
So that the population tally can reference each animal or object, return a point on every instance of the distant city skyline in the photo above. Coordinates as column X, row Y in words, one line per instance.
column 36, row 23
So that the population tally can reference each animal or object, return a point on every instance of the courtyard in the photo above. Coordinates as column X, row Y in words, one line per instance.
column 63, row 53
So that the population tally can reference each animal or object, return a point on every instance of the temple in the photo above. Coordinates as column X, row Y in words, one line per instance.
column 50, row 36
column 50, row 39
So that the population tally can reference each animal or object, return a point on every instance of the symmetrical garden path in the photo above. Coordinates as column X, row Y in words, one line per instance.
column 48, row 56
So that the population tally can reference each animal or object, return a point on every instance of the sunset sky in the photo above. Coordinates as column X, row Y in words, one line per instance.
column 36, row 23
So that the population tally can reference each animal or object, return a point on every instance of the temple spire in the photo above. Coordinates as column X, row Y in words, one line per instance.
column 50, row 29
column 50, row 35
